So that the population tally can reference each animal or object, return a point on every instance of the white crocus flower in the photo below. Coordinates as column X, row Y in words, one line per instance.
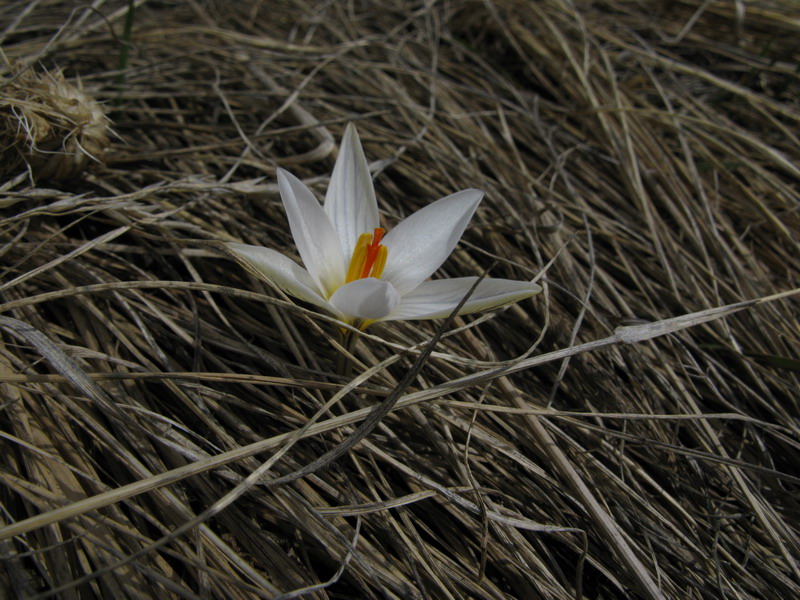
column 357, row 273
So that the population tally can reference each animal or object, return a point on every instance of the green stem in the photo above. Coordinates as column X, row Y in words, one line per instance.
column 122, row 63
column 344, row 365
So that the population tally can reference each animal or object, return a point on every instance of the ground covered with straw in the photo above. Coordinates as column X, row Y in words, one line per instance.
column 639, row 158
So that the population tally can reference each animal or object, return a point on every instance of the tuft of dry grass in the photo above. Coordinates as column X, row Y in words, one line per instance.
column 48, row 126
column 159, row 405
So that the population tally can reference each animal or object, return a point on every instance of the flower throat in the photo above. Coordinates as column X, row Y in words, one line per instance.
column 369, row 256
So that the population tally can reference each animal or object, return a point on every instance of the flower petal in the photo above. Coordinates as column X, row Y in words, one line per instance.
column 366, row 299
column 281, row 271
column 421, row 243
column 350, row 202
column 437, row 299
column 313, row 233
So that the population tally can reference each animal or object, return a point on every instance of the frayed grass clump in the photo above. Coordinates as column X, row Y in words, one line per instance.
column 49, row 126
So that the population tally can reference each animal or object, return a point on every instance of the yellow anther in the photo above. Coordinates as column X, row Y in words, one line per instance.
column 359, row 257
column 380, row 261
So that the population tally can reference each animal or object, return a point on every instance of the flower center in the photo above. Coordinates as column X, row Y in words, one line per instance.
column 369, row 256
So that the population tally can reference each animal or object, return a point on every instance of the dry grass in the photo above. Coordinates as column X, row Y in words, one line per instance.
column 649, row 150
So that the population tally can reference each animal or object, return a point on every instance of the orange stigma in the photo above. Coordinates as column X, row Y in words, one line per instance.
column 369, row 256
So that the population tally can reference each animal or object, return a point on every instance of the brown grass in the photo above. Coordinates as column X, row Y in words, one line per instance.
column 640, row 158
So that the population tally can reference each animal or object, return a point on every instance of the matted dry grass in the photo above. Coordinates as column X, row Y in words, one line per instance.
column 641, row 158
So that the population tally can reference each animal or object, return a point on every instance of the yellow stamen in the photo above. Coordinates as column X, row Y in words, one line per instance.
column 369, row 256
column 380, row 261
column 359, row 257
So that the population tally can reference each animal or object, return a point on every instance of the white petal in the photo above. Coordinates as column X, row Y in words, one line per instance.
column 436, row 299
column 280, row 270
column 350, row 202
column 313, row 233
column 368, row 299
column 421, row 243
